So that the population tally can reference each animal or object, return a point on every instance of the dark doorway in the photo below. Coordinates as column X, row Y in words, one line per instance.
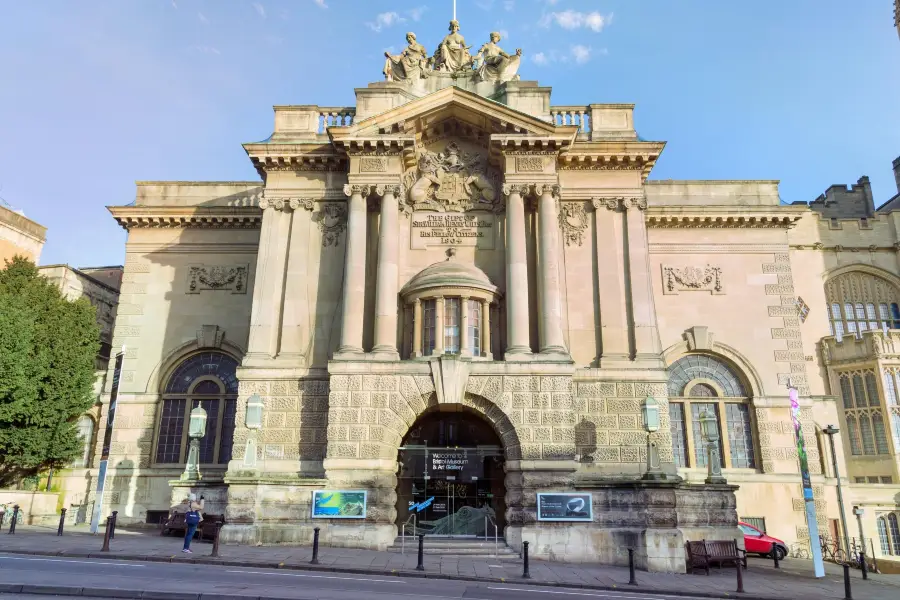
column 451, row 477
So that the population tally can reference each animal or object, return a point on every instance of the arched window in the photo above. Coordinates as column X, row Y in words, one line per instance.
column 85, row 429
column 207, row 379
column 699, row 383
column 864, row 412
column 858, row 301
column 883, row 536
column 895, row 532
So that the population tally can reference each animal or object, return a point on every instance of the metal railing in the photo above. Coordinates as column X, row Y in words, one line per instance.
column 490, row 519
column 412, row 518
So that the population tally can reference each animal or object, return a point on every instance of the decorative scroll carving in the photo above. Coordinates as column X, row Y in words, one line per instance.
column 207, row 277
column 332, row 220
column 619, row 203
column 452, row 180
column 362, row 190
column 516, row 188
column 573, row 221
column 547, row 188
column 372, row 165
column 210, row 336
column 391, row 188
column 529, row 163
column 692, row 278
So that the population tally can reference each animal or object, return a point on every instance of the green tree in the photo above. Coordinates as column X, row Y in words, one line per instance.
column 47, row 350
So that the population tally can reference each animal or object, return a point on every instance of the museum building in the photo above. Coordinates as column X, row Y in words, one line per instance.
column 457, row 308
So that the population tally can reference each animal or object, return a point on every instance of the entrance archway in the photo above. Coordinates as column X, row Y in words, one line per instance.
column 451, row 477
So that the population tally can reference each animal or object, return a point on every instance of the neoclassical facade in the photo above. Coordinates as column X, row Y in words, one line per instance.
column 456, row 296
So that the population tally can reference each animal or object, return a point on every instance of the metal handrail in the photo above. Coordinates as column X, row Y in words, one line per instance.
column 489, row 518
column 412, row 518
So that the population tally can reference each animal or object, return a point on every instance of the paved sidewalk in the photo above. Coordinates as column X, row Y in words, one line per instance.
column 793, row 581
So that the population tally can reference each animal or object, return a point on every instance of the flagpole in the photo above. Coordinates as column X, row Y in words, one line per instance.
column 454, row 10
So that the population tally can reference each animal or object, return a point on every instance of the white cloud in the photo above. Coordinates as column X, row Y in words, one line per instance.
column 504, row 34
column 260, row 9
column 540, row 59
column 509, row 5
column 320, row 3
column 416, row 13
column 484, row 4
column 202, row 18
column 174, row 5
column 207, row 49
column 573, row 19
column 385, row 19
column 581, row 53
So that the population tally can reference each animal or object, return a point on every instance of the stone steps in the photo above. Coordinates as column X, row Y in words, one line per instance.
column 468, row 548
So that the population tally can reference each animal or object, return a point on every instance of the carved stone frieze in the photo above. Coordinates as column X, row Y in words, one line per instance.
column 573, row 221
column 216, row 277
column 530, row 163
column 281, row 203
column 372, row 164
column 451, row 180
column 692, row 278
column 332, row 220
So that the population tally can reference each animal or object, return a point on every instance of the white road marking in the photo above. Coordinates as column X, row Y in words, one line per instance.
column 82, row 562
column 634, row 596
column 398, row 580
column 496, row 566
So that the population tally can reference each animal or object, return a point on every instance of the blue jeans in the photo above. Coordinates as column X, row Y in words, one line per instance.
column 189, row 535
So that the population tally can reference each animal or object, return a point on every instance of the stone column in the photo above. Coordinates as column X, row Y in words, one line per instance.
column 438, row 326
column 354, row 271
column 486, row 329
column 464, row 326
column 417, row 329
column 386, row 281
column 647, row 345
column 611, row 277
column 548, row 276
column 268, row 291
column 518, row 345
column 297, row 328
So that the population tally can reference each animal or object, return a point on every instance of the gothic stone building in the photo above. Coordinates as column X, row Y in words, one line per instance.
column 456, row 295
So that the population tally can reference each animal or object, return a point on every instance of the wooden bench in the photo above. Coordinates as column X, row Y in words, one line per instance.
column 702, row 554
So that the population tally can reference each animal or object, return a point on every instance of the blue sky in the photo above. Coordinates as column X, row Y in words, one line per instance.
column 97, row 94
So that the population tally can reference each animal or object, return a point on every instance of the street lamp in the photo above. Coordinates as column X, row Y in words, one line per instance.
column 253, row 422
column 196, row 431
column 650, row 412
column 862, row 541
column 709, row 430
column 831, row 431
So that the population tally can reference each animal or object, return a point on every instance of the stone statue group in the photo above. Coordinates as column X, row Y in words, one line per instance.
column 491, row 63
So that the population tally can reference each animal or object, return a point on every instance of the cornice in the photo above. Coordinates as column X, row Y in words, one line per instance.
column 179, row 217
column 743, row 217
column 314, row 156
column 612, row 155
column 374, row 145
column 820, row 247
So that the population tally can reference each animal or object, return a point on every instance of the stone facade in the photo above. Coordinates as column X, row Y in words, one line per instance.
column 566, row 290
column 20, row 235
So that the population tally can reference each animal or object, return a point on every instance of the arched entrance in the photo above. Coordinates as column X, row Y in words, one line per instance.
column 451, row 477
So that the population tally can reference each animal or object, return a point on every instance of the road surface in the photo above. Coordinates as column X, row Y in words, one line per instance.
column 298, row 585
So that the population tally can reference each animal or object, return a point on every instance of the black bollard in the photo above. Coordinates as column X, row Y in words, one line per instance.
column 740, row 577
column 315, row 557
column 632, row 580
column 115, row 517
column 62, row 521
column 848, row 594
column 215, row 550
column 421, row 565
column 775, row 556
column 862, row 565
column 15, row 519
column 526, row 574
column 106, row 533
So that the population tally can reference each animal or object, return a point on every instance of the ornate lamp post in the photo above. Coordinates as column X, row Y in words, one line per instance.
column 862, row 541
column 709, row 430
column 831, row 431
column 253, row 421
column 196, row 431
column 650, row 412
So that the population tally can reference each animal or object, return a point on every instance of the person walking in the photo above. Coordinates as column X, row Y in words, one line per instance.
column 192, row 519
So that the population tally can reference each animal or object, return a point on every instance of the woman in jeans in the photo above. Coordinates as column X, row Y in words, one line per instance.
column 192, row 518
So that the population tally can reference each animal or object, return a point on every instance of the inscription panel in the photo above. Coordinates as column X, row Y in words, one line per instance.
column 429, row 229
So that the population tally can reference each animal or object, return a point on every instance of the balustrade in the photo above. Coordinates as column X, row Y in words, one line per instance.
column 572, row 115
column 335, row 117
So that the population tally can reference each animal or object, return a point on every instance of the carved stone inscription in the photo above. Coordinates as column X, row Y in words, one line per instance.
column 452, row 229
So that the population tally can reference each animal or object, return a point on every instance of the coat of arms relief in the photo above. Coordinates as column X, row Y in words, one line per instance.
column 452, row 180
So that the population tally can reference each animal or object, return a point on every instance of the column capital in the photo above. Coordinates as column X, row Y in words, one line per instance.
column 388, row 188
column 285, row 204
column 521, row 189
column 355, row 188
column 608, row 203
column 638, row 203
column 551, row 189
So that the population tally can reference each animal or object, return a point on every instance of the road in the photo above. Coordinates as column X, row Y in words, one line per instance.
column 298, row 585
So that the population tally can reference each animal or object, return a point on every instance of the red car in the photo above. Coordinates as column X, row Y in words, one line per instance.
column 757, row 542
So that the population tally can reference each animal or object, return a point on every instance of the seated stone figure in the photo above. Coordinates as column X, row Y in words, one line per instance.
column 453, row 54
column 410, row 64
column 496, row 65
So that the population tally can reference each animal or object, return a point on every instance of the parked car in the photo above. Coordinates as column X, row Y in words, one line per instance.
column 757, row 542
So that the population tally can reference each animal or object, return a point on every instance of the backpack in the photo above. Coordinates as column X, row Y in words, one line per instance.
column 192, row 518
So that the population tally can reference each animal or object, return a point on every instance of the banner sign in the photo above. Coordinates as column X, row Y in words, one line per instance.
column 565, row 507
column 339, row 504
column 811, row 522
column 107, row 441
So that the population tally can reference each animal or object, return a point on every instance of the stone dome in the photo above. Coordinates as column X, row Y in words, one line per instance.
column 449, row 273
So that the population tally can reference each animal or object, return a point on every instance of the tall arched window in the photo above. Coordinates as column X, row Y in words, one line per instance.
column 85, row 428
column 858, row 301
column 207, row 379
column 863, row 412
column 699, row 383
column 883, row 536
column 894, row 528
